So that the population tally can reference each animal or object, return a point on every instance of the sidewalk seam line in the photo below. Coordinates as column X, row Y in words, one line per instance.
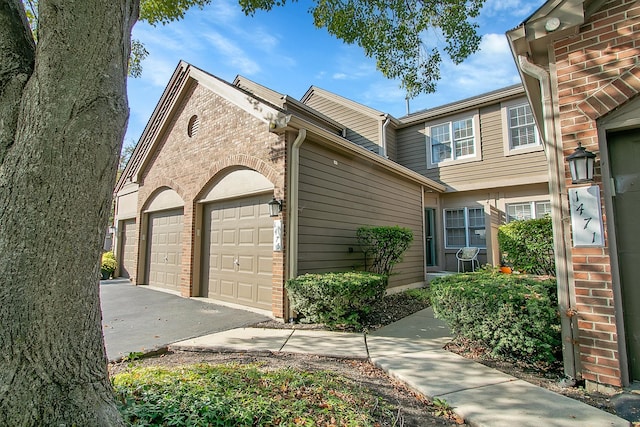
column 287, row 340
column 479, row 387
column 366, row 346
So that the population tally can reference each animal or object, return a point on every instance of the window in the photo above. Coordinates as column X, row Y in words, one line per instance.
column 452, row 141
column 519, row 128
column 528, row 210
column 522, row 128
column 464, row 227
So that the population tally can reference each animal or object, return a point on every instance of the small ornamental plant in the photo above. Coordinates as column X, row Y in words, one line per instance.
column 108, row 265
column 528, row 246
column 383, row 246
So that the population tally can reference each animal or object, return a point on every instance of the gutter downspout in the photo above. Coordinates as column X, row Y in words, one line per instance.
column 384, row 136
column 292, row 210
column 555, row 157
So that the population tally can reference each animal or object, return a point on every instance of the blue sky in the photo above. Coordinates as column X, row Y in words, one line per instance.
column 282, row 50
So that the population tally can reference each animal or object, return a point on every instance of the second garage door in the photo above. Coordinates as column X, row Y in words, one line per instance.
column 127, row 242
column 237, row 251
column 165, row 249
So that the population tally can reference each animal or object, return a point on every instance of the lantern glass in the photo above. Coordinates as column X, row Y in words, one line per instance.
column 581, row 165
column 275, row 207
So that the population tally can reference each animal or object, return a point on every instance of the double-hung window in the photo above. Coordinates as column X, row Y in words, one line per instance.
column 519, row 129
column 452, row 141
column 528, row 210
column 464, row 227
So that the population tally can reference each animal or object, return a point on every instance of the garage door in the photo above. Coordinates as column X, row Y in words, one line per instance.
column 127, row 245
column 237, row 251
column 165, row 249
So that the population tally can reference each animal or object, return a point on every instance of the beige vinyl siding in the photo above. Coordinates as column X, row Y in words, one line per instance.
column 340, row 194
column 361, row 128
column 412, row 150
column 494, row 166
column 315, row 119
column 392, row 144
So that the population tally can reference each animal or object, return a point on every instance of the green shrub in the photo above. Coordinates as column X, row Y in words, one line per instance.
column 336, row 298
column 385, row 245
column 513, row 315
column 108, row 263
column 528, row 245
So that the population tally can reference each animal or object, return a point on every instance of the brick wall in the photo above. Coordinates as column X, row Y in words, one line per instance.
column 227, row 137
column 597, row 71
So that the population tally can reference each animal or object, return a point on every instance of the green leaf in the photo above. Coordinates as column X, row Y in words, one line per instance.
column 399, row 35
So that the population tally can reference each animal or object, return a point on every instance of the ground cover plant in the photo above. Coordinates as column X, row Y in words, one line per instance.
column 513, row 315
column 245, row 395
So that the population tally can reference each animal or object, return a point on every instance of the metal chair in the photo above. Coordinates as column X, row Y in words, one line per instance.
column 468, row 254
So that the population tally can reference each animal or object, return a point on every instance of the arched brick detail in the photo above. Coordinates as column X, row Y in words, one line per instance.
column 612, row 95
column 151, row 188
column 241, row 160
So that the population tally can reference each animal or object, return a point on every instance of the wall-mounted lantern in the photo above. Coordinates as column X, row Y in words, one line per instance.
column 275, row 207
column 581, row 165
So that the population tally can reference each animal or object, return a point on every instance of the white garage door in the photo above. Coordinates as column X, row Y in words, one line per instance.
column 165, row 249
column 237, row 251
column 128, row 244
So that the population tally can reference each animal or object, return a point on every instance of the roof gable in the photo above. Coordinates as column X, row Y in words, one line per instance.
column 360, row 108
column 183, row 77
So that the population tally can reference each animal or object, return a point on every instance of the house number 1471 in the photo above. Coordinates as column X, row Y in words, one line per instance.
column 586, row 216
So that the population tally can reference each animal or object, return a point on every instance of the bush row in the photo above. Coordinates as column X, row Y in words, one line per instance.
column 514, row 315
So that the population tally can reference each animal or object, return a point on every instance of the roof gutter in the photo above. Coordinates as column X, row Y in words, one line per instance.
column 383, row 143
column 561, row 237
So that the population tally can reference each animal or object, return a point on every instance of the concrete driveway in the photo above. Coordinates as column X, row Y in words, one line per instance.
column 139, row 319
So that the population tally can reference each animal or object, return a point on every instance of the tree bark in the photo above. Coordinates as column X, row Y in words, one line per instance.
column 57, row 168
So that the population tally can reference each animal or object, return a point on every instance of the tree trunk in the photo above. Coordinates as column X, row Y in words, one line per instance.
column 57, row 171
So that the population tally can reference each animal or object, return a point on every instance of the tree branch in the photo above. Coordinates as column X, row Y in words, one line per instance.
column 17, row 56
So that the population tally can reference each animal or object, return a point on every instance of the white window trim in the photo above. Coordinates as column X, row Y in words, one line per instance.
column 532, row 204
column 477, row 156
column 506, row 134
column 466, row 226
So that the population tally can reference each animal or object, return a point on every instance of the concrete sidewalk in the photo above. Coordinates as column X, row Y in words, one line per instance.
column 411, row 350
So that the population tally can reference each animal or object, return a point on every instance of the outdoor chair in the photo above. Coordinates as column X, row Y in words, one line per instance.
column 469, row 254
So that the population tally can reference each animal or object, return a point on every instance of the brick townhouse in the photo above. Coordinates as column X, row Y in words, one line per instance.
column 579, row 64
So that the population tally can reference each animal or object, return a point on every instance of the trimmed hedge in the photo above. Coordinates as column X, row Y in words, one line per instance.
column 513, row 315
column 528, row 245
column 336, row 298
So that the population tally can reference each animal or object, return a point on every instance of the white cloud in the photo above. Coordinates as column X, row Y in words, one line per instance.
column 232, row 54
column 490, row 68
column 263, row 39
column 339, row 76
column 512, row 8
column 157, row 69
column 223, row 12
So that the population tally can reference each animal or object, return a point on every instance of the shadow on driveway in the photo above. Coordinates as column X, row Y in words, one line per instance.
column 139, row 319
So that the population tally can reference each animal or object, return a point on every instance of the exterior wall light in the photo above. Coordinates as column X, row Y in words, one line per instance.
column 581, row 164
column 275, row 207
